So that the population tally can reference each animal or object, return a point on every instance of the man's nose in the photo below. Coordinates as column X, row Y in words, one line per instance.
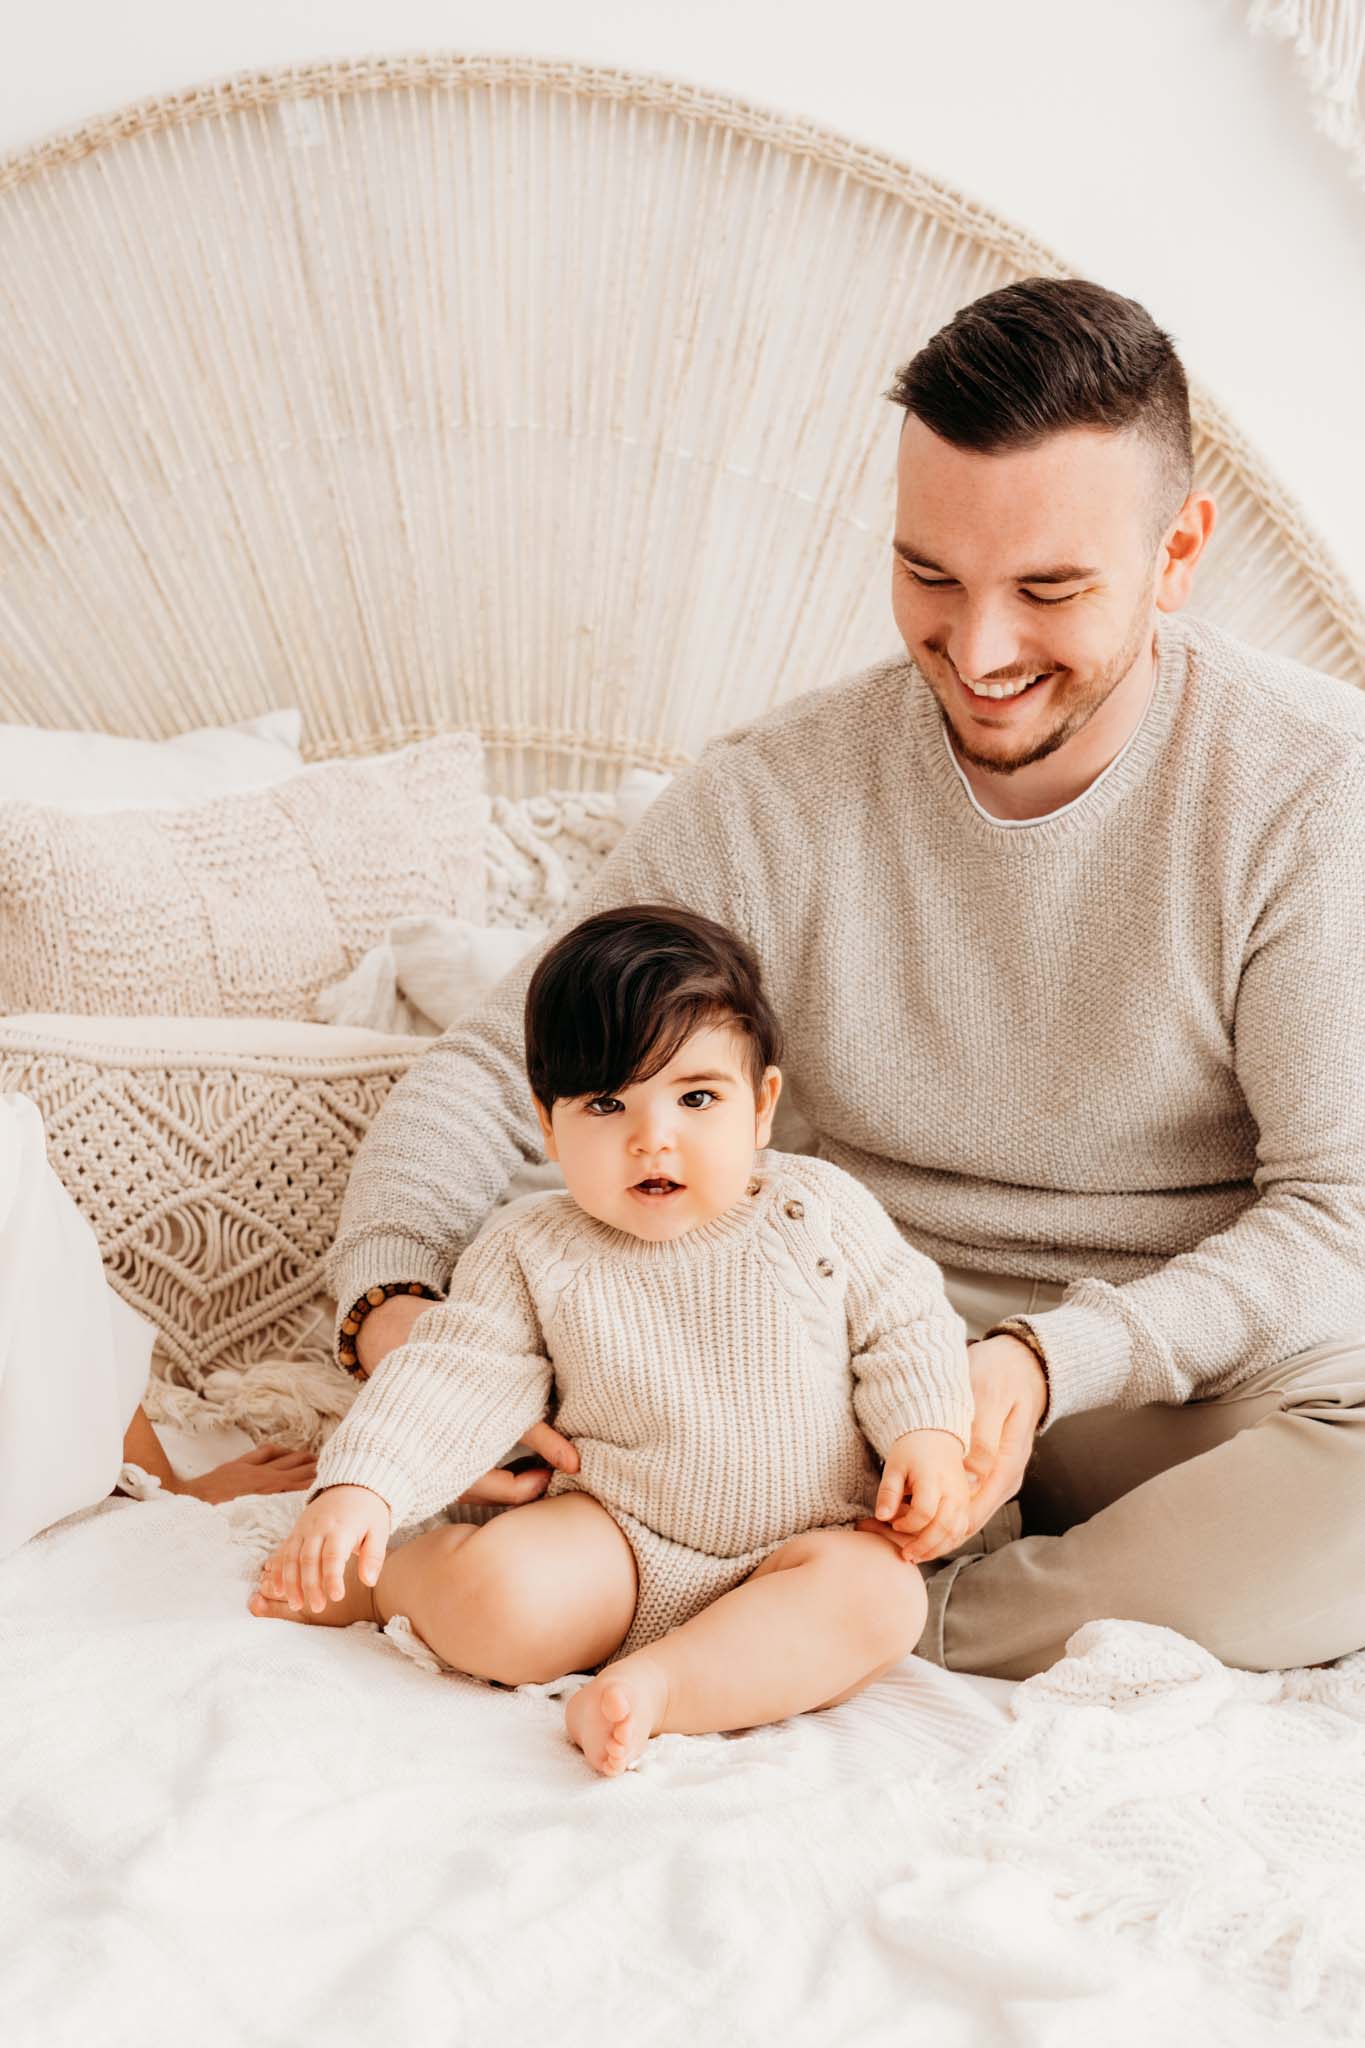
column 980, row 642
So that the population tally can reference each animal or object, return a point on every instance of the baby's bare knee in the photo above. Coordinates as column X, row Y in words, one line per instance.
column 505, row 1611
column 882, row 1595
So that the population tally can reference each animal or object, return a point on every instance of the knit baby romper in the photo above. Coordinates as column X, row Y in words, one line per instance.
column 725, row 1389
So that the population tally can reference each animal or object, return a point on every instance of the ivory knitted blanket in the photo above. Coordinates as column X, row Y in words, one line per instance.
column 229, row 1831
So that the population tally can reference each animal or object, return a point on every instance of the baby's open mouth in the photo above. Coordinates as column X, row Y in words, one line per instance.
column 656, row 1190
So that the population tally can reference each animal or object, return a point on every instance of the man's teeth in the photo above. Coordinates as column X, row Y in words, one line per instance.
column 1004, row 689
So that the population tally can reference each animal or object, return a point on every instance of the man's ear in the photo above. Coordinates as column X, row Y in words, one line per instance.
column 1182, row 545
column 547, row 1129
column 765, row 1103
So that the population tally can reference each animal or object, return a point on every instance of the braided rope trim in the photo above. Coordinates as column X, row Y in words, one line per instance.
column 448, row 71
column 18, row 1043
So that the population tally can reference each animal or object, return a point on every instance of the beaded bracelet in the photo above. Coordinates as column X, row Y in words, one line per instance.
column 348, row 1352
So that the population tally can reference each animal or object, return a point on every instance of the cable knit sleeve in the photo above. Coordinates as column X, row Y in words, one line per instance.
column 907, row 1344
column 1288, row 1273
column 442, row 1408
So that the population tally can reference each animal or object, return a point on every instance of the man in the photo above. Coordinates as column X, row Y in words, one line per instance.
column 1063, row 919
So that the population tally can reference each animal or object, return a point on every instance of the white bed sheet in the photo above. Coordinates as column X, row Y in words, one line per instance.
column 224, row 1830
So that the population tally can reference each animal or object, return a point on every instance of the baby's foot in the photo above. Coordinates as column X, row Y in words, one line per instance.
column 356, row 1604
column 613, row 1719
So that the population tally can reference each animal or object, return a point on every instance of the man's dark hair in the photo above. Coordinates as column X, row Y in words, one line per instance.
column 612, row 1001
column 1047, row 354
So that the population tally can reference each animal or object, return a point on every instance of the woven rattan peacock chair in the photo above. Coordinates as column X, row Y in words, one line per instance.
column 488, row 392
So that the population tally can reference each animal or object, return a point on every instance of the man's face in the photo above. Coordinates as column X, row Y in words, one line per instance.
column 1035, row 566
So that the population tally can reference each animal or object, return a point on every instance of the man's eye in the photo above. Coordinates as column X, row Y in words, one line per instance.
column 930, row 582
column 691, row 1096
column 1049, row 600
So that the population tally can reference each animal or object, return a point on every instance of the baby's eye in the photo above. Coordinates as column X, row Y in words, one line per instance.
column 691, row 1096
column 605, row 1103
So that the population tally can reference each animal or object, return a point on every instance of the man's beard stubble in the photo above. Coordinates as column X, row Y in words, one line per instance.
column 1094, row 693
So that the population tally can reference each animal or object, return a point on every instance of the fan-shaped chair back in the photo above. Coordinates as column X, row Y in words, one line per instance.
column 494, row 393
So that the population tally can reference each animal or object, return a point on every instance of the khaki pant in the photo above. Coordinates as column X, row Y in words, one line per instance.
column 1239, row 1520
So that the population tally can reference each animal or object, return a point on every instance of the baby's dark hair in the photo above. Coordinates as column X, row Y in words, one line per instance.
column 612, row 1002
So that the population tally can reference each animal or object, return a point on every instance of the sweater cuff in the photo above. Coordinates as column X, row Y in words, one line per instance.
column 372, row 1262
column 931, row 1408
column 369, row 1465
column 1088, row 1356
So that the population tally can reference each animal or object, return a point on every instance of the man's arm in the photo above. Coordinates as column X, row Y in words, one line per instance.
column 1290, row 1272
column 451, row 1134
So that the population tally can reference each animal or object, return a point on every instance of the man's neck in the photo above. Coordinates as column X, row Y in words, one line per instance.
column 1060, row 778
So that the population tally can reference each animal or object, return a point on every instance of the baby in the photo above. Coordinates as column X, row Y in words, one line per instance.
column 724, row 1331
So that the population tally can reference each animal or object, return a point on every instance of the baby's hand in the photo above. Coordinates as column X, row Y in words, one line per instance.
column 313, row 1555
column 925, row 1494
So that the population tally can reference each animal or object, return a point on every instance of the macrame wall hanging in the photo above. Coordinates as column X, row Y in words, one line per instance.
column 1329, row 44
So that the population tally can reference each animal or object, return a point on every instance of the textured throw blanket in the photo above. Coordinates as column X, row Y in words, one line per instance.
column 223, row 1830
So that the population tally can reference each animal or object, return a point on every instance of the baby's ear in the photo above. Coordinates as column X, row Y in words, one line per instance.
column 547, row 1129
column 765, row 1104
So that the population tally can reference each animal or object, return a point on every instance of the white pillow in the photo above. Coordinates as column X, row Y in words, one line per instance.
column 96, row 771
column 428, row 974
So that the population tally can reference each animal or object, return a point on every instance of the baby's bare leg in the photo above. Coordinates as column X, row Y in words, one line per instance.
column 529, row 1596
column 523, row 1599
column 819, row 1619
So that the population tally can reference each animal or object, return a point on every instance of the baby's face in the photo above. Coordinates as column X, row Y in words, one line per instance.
column 692, row 1131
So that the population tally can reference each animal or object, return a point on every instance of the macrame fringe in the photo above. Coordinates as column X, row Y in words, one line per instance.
column 1329, row 44
column 294, row 1396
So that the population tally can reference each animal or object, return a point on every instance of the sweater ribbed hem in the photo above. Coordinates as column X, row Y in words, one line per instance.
column 933, row 1408
column 376, row 1259
column 370, row 1467
column 1088, row 1357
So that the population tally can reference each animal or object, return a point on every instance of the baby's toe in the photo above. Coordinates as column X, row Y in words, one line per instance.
column 261, row 1603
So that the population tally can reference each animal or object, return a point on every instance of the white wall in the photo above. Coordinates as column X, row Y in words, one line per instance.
column 1153, row 143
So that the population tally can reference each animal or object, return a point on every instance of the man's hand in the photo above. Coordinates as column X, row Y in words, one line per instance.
column 514, row 1489
column 389, row 1325
column 1010, row 1390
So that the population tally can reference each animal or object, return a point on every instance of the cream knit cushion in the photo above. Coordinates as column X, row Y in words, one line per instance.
column 209, row 1158
column 539, row 852
column 244, row 906
column 542, row 849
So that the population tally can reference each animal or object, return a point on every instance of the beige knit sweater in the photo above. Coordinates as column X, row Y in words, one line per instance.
column 722, row 1387
column 1122, row 1047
